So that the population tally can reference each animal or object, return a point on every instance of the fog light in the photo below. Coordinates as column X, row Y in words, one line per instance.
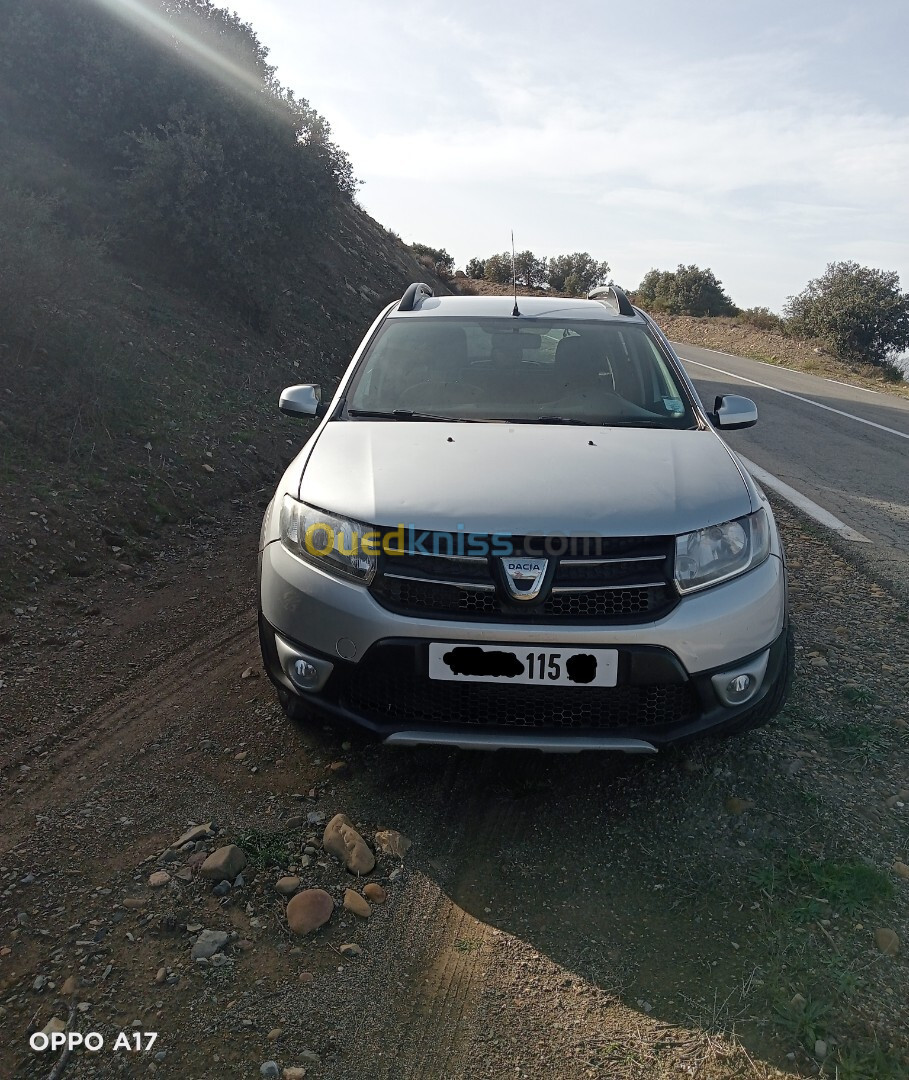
column 743, row 682
column 304, row 674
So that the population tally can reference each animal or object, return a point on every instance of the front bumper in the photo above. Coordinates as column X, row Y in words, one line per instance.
column 656, row 702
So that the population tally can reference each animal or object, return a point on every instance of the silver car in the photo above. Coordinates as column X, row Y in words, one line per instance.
column 516, row 526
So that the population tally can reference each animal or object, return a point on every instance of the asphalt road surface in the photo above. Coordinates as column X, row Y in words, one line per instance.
column 843, row 447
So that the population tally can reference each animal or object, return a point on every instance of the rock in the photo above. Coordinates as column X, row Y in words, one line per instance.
column 374, row 892
column 818, row 661
column 339, row 768
column 158, row 879
column 737, row 806
column 820, row 1049
column 306, row 977
column 797, row 1003
column 309, row 910
column 310, row 850
column 184, row 874
column 134, row 903
column 54, row 1026
column 160, row 975
column 39, row 984
column 295, row 821
column 224, row 864
column 287, row 886
column 343, row 841
column 350, row 949
column 311, row 1056
column 221, row 889
column 208, row 943
column 197, row 832
column 355, row 903
column 294, row 1074
column 887, row 941
column 269, row 1069
column 196, row 859
column 901, row 869
column 275, row 1034
column 70, row 986
column 390, row 842
column 250, row 673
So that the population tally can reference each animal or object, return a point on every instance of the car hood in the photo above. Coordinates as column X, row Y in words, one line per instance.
column 531, row 479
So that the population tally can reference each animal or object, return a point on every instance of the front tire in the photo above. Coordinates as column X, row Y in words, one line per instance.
column 295, row 708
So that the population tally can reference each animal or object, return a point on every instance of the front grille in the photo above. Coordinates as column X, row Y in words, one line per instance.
column 385, row 696
column 600, row 580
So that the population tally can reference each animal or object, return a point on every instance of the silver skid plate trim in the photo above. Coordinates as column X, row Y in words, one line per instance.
column 550, row 744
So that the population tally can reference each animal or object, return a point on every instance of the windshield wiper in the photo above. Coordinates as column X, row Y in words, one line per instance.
column 404, row 414
column 538, row 420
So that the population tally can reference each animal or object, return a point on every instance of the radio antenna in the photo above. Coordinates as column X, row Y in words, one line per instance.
column 514, row 277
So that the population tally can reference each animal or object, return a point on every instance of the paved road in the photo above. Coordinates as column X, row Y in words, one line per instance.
column 845, row 448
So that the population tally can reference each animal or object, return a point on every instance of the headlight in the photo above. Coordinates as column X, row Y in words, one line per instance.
column 334, row 544
column 710, row 555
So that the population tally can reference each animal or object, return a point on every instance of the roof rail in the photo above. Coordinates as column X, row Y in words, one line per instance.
column 414, row 295
column 612, row 295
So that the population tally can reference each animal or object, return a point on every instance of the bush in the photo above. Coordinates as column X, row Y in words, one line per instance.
column 498, row 268
column 688, row 290
column 762, row 318
column 858, row 312
column 436, row 259
column 576, row 274
column 476, row 268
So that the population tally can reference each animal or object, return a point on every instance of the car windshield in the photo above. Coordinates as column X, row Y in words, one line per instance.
column 521, row 369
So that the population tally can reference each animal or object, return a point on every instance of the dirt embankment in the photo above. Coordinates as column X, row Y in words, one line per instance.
column 727, row 910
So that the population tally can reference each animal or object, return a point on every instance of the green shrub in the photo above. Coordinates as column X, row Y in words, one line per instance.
column 762, row 318
column 687, row 290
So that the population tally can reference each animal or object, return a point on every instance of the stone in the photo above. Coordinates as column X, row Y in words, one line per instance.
column 158, row 879
column 269, row 1069
column 391, row 842
column 250, row 673
column 887, row 941
column 197, row 832
column 797, row 1003
column 221, row 889
column 309, row 910
column 339, row 768
column 901, row 869
column 820, row 1049
column 287, row 886
column 295, row 821
column 374, row 892
column 208, row 943
column 293, row 1073
column 737, row 806
column 343, row 841
column 224, row 864
column 306, row 977
column 70, row 986
column 184, row 874
column 275, row 1034
column 54, row 1026
column 134, row 903
column 355, row 903
column 350, row 949
column 160, row 975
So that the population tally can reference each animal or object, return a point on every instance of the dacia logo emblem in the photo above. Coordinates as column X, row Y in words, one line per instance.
column 524, row 577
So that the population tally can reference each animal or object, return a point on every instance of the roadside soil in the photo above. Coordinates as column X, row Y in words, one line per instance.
column 713, row 912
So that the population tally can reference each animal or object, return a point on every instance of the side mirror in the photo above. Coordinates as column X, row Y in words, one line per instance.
column 731, row 412
column 303, row 400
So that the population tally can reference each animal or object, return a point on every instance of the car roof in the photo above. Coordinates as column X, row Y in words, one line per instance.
column 494, row 307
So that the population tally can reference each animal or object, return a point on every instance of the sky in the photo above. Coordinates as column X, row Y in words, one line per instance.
column 762, row 140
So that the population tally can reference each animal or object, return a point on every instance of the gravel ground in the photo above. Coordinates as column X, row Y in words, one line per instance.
column 717, row 911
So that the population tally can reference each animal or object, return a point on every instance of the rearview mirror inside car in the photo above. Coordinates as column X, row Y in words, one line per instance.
column 731, row 412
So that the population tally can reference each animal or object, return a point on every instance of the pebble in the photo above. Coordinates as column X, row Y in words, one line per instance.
column 269, row 1069
column 887, row 941
column 250, row 673
column 275, row 1034
column 355, row 903
column 339, row 768
column 350, row 949
column 221, row 889
column 293, row 1073
column 208, row 943
column 160, row 975
column 820, row 1049
column 373, row 891
column 286, row 886
column 134, row 903
column 309, row 910
column 343, row 841
column 158, row 879
column 901, row 869
column 54, row 1025
column 184, row 874
column 295, row 821
column 391, row 842
column 197, row 832
column 224, row 864
column 70, row 986
column 39, row 984
column 310, row 850
column 306, row 977
column 737, row 806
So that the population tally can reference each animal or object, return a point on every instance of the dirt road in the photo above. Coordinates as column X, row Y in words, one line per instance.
column 714, row 912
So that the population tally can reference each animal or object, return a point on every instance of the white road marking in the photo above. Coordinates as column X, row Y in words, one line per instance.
column 824, row 517
column 798, row 397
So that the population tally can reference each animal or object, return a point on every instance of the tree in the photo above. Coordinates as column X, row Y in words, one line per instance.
column 529, row 270
column 576, row 274
column 475, row 268
column 688, row 290
column 441, row 261
column 857, row 311
column 498, row 268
